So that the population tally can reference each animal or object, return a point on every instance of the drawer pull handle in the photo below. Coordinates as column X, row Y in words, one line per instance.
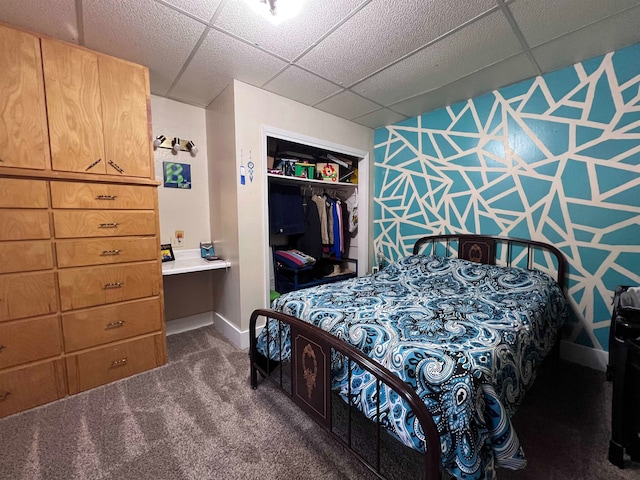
column 119, row 363
column 118, row 324
column 106, row 197
column 109, row 225
column 2, row 348
column 113, row 285
column 3, row 395
column 107, row 253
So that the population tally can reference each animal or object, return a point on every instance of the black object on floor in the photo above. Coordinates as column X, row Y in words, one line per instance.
column 624, row 371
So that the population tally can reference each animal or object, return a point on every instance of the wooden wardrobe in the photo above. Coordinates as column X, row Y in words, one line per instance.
column 80, row 274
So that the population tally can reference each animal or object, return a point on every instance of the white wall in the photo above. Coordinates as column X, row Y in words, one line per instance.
column 182, row 209
column 254, row 109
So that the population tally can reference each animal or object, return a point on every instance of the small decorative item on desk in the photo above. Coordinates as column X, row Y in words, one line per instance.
column 207, row 251
column 166, row 252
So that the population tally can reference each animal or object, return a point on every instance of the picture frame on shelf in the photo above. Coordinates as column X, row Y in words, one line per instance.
column 166, row 252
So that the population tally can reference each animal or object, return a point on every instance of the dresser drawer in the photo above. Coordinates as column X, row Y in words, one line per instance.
column 91, row 286
column 25, row 256
column 29, row 340
column 28, row 387
column 27, row 295
column 102, row 196
column 98, row 251
column 24, row 225
column 107, row 223
column 103, row 365
column 17, row 193
column 97, row 326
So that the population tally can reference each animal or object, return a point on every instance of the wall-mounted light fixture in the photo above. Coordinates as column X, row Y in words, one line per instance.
column 158, row 141
column 192, row 147
column 175, row 144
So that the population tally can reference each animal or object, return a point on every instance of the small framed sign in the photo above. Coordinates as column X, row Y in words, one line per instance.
column 166, row 252
column 177, row 175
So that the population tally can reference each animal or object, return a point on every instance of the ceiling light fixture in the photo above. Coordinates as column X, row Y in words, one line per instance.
column 276, row 11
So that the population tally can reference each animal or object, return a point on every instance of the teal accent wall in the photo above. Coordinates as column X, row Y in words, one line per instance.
column 553, row 158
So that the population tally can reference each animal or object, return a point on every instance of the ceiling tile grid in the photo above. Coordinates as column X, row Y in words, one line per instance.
column 301, row 86
column 363, row 60
column 56, row 18
column 218, row 60
column 484, row 42
column 145, row 32
column 381, row 33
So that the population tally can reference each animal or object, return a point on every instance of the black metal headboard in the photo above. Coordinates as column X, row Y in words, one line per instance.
column 483, row 249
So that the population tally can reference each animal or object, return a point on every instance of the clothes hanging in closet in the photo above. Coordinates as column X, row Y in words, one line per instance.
column 285, row 209
column 310, row 242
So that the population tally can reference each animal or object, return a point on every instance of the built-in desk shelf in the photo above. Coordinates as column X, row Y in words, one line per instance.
column 188, row 261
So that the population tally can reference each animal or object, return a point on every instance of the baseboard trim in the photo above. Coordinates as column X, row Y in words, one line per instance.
column 589, row 357
column 230, row 331
column 191, row 322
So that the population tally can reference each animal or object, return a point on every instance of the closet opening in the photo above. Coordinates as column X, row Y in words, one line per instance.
column 316, row 233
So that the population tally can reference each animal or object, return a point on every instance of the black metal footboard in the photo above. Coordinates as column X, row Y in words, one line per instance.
column 307, row 381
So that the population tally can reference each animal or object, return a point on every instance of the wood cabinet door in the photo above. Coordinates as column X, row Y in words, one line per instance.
column 72, row 87
column 23, row 121
column 124, row 90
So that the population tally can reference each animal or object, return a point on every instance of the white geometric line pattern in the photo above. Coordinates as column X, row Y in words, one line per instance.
column 554, row 158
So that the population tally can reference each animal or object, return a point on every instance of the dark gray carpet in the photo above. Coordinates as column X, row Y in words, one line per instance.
column 197, row 418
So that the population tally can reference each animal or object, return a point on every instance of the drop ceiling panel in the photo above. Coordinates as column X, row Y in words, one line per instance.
column 543, row 20
column 56, row 18
column 382, row 32
column 490, row 78
column 198, row 8
column 347, row 105
column 145, row 32
column 383, row 116
column 485, row 42
column 302, row 86
column 217, row 62
column 290, row 38
column 611, row 34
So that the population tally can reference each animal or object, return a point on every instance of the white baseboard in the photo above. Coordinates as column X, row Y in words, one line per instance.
column 230, row 331
column 191, row 322
column 589, row 357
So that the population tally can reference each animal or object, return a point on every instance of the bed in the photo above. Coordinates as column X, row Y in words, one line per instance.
column 438, row 349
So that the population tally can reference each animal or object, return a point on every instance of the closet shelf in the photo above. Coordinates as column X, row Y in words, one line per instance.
column 290, row 180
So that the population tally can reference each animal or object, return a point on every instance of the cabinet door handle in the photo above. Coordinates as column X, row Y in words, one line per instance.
column 118, row 324
column 109, row 225
column 116, row 166
column 113, row 285
column 119, row 363
column 107, row 253
column 93, row 165
column 4, row 395
column 106, row 197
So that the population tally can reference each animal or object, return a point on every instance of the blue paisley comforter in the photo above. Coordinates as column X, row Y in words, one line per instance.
column 467, row 337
